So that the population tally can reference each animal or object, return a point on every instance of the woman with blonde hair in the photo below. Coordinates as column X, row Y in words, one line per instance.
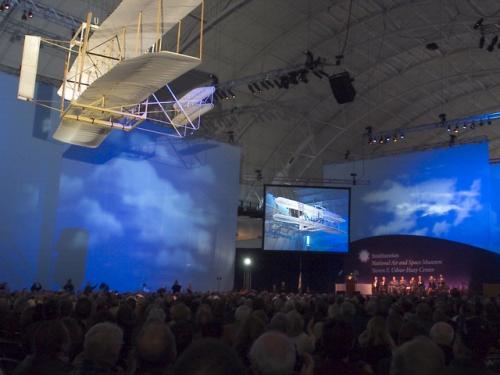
column 376, row 344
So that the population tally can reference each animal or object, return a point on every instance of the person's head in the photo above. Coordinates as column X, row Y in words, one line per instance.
column 442, row 334
column 279, row 323
column 347, row 308
column 272, row 353
column 295, row 323
column 376, row 331
column 242, row 312
column 103, row 343
column 209, row 357
column 180, row 311
column 416, row 357
column 51, row 339
column 338, row 339
column 155, row 345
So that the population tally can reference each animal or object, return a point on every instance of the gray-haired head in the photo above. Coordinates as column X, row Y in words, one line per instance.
column 442, row 334
column 273, row 353
column 103, row 343
column 416, row 357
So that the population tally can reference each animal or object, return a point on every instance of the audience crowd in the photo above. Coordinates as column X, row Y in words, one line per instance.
column 263, row 333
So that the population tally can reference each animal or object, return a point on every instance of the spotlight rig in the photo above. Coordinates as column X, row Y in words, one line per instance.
column 488, row 34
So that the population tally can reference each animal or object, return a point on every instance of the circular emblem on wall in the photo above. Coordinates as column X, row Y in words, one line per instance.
column 364, row 256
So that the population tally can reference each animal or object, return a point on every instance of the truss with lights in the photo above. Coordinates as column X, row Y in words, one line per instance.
column 452, row 127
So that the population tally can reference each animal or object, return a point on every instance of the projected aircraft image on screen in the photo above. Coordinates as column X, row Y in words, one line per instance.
column 306, row 219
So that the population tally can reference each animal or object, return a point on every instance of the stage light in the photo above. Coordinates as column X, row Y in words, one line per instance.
column 492, row 44
column 374, row 141
column 381, row 140
column 317, row 74
column 478, row 24
column 387, row 139
column 264, row 84
column 30, row 14
column 247, row 262
column 395, row 138
column 231, row 94
column 257, row 87
column 464, row 126
column 6, row 5
column 285, row 83
column 269, row 83
column 449, row 128
column 482, row 41
column 370, row 140
column 456, row 129
column 303, row 76
column 402, row 136
column 252, row 90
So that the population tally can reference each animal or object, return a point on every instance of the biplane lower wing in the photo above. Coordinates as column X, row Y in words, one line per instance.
column 88, row 120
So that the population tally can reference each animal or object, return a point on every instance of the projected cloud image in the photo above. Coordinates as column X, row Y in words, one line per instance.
column 442, row 193
column 415, row 209
column 149, row 220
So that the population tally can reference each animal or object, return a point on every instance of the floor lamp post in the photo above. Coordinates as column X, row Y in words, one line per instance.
column 247, row 273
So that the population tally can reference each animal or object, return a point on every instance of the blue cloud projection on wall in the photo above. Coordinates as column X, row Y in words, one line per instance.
column 443, row 193
column 432, row 207
column 157, row 219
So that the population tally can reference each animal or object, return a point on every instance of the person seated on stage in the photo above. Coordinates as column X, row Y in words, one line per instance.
column 145, row 288
column 432, row 284
column 403, row 284
column 176, row 287
column 394, row 285
column 383, row 285
column 420, row 282
column 89, row 288
column 375, row 285
column 413, row 284
column 418, row 356
column 442, row 284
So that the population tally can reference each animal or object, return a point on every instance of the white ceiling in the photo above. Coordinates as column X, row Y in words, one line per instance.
column 399, row 82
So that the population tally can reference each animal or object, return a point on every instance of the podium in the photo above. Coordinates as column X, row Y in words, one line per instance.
column 350, row 285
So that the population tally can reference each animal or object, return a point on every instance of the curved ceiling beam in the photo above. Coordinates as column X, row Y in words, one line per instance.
column 221, row 17
column 338, row 33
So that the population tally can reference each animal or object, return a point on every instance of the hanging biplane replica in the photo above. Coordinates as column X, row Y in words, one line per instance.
column 113, row 70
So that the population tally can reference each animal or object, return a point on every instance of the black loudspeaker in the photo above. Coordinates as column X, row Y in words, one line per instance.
column 342, row 87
